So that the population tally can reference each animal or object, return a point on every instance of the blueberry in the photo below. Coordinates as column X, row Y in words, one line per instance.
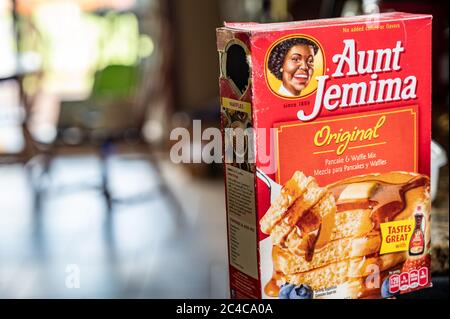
column 385, row 289
column 301, row 292
column 285, row 291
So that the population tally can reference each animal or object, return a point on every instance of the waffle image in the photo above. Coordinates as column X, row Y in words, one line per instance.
column 329, row 238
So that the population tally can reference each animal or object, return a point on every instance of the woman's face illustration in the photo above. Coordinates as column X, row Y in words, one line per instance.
column 298, row 68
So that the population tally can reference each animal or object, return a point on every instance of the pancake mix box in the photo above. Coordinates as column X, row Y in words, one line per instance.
column 326, row 143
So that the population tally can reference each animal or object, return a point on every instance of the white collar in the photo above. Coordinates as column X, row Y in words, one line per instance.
column 283, row 91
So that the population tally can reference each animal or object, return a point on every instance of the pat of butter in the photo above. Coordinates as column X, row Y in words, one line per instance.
column 358, row 191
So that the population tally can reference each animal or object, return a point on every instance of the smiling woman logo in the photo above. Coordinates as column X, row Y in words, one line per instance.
column 292, row 65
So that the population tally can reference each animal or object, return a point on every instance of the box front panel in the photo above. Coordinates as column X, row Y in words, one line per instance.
column 343, row 117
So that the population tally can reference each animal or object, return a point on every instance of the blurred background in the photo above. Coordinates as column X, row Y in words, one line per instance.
column 89, row 92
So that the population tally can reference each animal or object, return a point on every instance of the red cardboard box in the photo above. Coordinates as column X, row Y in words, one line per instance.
column 326, row 130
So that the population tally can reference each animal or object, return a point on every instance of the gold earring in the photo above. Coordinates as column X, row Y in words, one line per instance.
column 281, row 70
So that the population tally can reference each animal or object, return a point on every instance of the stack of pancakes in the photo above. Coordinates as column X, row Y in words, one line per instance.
column 329, row 238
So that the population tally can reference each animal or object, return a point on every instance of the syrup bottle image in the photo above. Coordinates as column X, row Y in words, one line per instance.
column 417, row 242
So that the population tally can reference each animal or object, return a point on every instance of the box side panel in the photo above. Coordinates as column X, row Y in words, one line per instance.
column 236, row 113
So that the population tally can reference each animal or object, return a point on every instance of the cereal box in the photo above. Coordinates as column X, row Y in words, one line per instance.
column 326, row 141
